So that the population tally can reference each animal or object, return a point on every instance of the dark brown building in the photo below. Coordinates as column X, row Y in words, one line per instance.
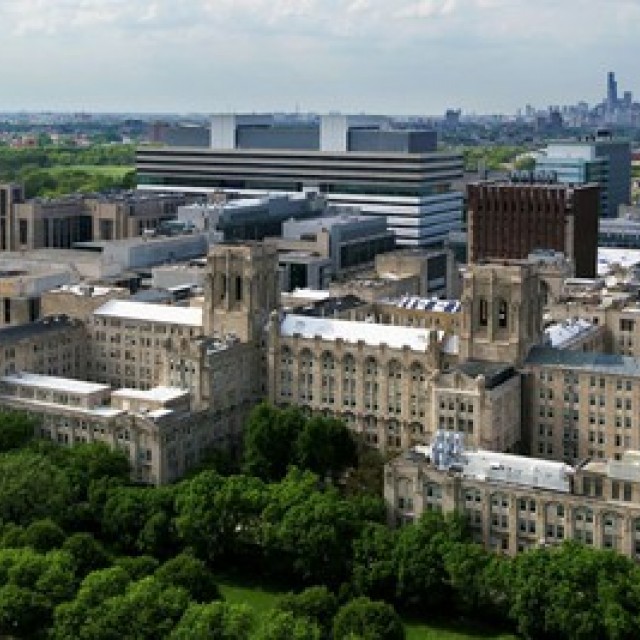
column 509, row 220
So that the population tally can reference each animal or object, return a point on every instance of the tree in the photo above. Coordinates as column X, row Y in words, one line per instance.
column 374, row 570
column 325, row 446
column 43, row 535
column 283, row 625
column 269, row 441
column 87, row 553
column 220, row 517
column 370, row 619
column 214, row 621
column 22, row 611
column 307, row 533
column 16, row 429
column 421, row 576
column 192, row 575
column 114, row 610
column 317, row 604
column 31, row 488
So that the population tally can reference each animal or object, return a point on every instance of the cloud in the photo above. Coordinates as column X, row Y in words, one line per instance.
column 411, row 53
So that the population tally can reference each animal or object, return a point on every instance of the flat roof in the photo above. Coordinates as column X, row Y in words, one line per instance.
column 54, row 383
column 351, row 331
column 155, row 394
column 495, row 373
column 147, row 312
column 606, row 363
column 49, row 324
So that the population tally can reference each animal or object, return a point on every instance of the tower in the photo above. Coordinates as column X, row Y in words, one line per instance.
column 241, row 290
column 501, row 312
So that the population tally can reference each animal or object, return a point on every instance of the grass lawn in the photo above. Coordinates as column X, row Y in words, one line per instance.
column 113, row 171
column 261, row 599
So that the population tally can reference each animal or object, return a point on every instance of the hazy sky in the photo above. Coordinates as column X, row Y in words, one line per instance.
column 386, row 56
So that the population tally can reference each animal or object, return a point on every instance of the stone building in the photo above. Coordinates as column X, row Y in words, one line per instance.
column 513, row 503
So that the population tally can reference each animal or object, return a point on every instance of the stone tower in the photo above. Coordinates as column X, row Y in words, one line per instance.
column 241, row 290
column 501, row 311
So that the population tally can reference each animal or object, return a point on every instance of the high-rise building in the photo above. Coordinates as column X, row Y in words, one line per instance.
column 612, row 91
column 364, row 162
column 599, row 158
column 512, row 219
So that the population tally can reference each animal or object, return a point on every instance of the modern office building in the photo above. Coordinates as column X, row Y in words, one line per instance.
column 601, row 159
column 512, row 219
column 356, row 161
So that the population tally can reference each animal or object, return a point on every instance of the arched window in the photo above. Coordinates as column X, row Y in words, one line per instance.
column 417, row 391
column 348, row 381
column 371, row 384
column 394, row 387
column 328, row 378
column 305, row 376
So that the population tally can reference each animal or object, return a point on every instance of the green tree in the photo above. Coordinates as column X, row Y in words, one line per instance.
column 192, row 575
column 87, row 553
column 16, row 429
column 214, row 621
column 317, row 604
column 22, row 611
column 31, row 488
column 325, row 446
column 220, row 517
column 307, row 532
column 269, row 441
column 374, row 569
column 419, row 559
column 370, row 619
column 43, row 535
column 283, row 625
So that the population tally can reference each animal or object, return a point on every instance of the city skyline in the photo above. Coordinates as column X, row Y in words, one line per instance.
column 485, row 56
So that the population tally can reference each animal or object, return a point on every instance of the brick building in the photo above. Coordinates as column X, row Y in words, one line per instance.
column 512, row 219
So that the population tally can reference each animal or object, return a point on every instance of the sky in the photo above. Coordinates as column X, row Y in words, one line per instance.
column 374, row 56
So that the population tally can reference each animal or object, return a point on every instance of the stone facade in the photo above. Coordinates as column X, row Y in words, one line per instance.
column 600, row 507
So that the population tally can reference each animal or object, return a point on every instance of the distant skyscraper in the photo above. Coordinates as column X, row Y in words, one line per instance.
column 612, row 90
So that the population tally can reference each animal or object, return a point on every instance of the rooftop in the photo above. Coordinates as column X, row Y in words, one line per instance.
column 329, row 306
column 155, row 394
column 51, row 324
column 583, row 360
column 562, row 334
column 447, row 453
column 370, row 333
column 495, row 373
column 147, row 312
column 54, row 383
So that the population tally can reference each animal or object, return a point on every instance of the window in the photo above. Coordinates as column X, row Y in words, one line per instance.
column 484, row 313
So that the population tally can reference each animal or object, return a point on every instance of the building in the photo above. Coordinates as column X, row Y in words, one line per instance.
column 599, row 159
column 10, row 195
column 355, row 161
column 59, row 223
column 248, row 219
column 513, row 503
column 512, row 219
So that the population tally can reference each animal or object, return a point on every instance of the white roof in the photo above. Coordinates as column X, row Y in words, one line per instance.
column 54, row 383
column 350, row 331
column 147, row 312
column 564, row 333
column 608, row 256
column 309, row 294
column 156, row 394
column 512, row 469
